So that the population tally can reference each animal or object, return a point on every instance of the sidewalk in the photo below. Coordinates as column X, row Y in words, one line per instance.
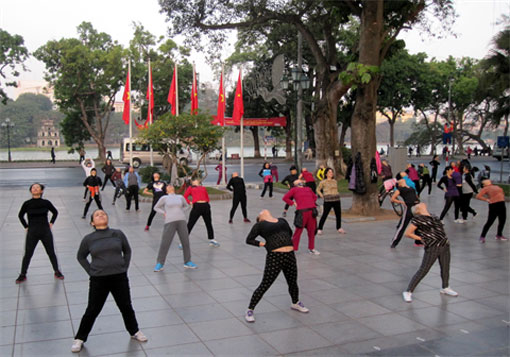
column 353, row 290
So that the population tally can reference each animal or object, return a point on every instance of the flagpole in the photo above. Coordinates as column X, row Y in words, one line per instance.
column 176, row 90
column 150, row 109
column 242, row 130
column 223, row 153
column 130, row 118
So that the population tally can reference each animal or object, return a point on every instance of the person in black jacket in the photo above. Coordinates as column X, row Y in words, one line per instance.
column 236, row 185
column 38, row 229
column 434, row 164
column 92, row 184
column 280, row 257
column 158, row 189
column 289, row 181
column 468, row 189
column 108, row 170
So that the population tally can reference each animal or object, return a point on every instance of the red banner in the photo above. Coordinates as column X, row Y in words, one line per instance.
column 275, row 121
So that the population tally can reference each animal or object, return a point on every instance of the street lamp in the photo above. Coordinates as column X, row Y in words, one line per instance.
column 8, row 125
column 300, row 81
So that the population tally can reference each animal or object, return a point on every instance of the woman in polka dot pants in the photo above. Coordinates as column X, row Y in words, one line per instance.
column 280, row 257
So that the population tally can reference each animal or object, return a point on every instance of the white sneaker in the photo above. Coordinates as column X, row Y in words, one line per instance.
column 249, row 316
column 299, row 307
column 77, row 345
column 341, row 231
column 214, row 244
column 408, row 296
column 314, row 251
column 448, row 291
column 319, row 232
column 140, row 337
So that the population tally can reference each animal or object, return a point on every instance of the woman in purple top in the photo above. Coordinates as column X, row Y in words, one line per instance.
column 413, row 175
column 452, row 182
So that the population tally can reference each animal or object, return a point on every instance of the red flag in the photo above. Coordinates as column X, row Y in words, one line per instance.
column 194, row 94
column 126, row 98
column 172, row 94
column 150, row 98
column 220, row 118
column 238, row 101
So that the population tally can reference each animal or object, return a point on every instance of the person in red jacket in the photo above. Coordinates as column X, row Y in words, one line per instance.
column 201, row 208
column 304, row 199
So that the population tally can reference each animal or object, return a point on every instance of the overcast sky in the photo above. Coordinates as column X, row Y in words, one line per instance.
column 39, row 21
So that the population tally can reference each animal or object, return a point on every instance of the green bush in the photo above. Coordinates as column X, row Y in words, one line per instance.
column 506, row 188
column 346, row 154
column 146, row 173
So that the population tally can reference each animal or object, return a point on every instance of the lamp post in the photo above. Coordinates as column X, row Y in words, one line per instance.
column 300, row 81
column 8, row 125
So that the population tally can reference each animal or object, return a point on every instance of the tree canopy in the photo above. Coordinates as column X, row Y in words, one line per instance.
column 12, row 55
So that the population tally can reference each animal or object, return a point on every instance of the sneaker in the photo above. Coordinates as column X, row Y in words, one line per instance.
column 474, row 215
column 213, row 243
column 408, row 296
column 299, row 307
column 230, row 221
column 77, row 345
column 448, row 291
column 83, row 217
column 284, row 214
column 314, row 251
column 158, row 267
column 146, row 228
column 180, row 246
column 249, row 316
column 59, row 275
column 140, row 337
column 319, row 232
column 246, row 220
column 502, row 238
column 341, row 231
column 482, row 240
column 190, row 265
column 21, row 278
column 113, row 203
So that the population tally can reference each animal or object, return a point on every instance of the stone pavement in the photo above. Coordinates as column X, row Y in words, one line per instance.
column 353, row 290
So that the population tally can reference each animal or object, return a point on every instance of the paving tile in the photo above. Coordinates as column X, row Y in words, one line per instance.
column 44, row 331
column 295, row 340
column 472, row 310
column 109, row 343
column 59, row 347
column 345, row 331
column 433, row 316
column 189, row 349
column 203, row 313
column 218, row 329
column 7, row 335
column 357, row 309
column 390, row 324
column 43, row 314
column 239, row 346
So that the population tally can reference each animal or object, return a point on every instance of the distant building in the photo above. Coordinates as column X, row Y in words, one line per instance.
column 48, row 135
column 34, row 87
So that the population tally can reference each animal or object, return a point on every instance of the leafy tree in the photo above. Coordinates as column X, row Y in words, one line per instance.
column 12, row 54
column 400, row 74
column 171, row 133
column 86, row 73
column 496, row 76
column 319, row 23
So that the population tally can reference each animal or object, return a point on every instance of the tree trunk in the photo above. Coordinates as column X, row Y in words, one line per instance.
column 288, row 137
column 256, row 144
column 341, row 144
column 459, row 133
column 363, row 136
column 310, row 132
column 392, row 132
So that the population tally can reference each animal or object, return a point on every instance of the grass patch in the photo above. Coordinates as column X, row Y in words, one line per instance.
column 505, row 187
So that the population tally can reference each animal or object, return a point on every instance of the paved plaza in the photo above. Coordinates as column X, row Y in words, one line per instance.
column 353, row 289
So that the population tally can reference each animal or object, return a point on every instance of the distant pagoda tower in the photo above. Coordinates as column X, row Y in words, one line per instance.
column 48, row 135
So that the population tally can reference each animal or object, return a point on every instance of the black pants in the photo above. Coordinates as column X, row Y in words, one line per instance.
column 312, row 186
column 153, row 213
column 402, row 225
column 203, row 210
column 87, row 205
column 120, row 189
column 275, row 263
column 34, row 235
column 426, row 181
column 106, row 178
column 448, row 203
column 465, row 208
column 266, row 185
column 99, row 289
column 496, row 210
column 338, row 214
column 417, row 184
column 235, row 202
column 434, row 173
column 132, row 192
column 429, row 257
